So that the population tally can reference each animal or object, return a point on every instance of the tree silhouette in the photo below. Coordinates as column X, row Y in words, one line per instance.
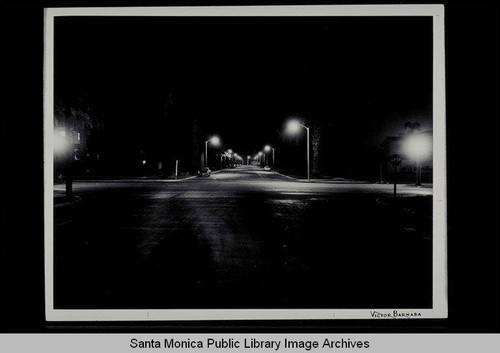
column 316, row 145
column 411, row 127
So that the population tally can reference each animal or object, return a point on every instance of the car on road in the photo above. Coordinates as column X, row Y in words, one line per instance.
column 205, row 171
column 267, row 168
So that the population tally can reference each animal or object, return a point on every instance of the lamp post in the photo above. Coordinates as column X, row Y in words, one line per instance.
column 260, row 158
column 64, row 145
column 268, row 148
column 418, row 147
column 215, row 141
column 395, row 161
column 230, row 157
column 293, row 128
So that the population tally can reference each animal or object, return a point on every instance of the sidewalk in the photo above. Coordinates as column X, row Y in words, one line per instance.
column 142, row 179
column 61, row 200
column 328, row 179
column 338, row 180
column 335, row 181
column 411, row 204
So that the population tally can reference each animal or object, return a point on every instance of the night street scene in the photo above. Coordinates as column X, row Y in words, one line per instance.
column 243, row 162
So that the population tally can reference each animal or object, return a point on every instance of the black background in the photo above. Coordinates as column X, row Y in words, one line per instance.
column 472, row 155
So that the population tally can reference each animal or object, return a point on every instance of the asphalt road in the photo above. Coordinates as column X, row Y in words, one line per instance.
column 243, row 238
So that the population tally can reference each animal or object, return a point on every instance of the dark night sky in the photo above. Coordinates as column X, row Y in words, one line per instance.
column 242, row 77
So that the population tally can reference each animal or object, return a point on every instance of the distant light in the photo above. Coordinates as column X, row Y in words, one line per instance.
column 229, row 151
column 293, row 127
column 267, row 148
column 248, row 157
column 418, row 146
column 260, row 153
column 143, row 162
column 215, row 140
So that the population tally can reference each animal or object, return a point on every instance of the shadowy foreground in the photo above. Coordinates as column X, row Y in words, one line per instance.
column 243, row 238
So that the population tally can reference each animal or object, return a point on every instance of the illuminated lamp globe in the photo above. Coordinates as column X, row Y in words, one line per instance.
column 293, row 127
column 418, row 146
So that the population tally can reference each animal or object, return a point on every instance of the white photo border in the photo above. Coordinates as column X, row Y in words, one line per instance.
column 439, row 282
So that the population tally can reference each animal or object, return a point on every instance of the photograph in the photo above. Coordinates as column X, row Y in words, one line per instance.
column 245, row 163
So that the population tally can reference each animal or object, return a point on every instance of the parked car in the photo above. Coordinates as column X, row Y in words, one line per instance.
column 205, row 171
column 267, row 168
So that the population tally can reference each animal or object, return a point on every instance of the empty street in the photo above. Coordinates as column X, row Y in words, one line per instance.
column 242, row 238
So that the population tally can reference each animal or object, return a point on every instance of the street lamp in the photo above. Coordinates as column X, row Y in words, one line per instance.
column 65, row 146
column 60, row 144
column 293, row 128
column 248, row 160
column 267, row 148
column 214, row 141
column 418, row 147
column 260, row 157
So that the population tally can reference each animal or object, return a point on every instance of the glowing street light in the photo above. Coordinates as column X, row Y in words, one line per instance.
column 215, row 141
column 60, row 144
column 267, row 148
column 293, row 127
column 260, row 154
column 418, row 147
column 64, row 148
column 248, row 160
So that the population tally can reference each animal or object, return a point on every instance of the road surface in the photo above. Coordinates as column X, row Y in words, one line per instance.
column 242, row 238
